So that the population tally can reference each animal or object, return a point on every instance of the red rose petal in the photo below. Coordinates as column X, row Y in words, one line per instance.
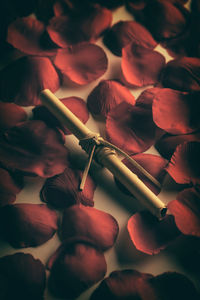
column 24, row 277
column 10, row 185
column 79, row 266
column 186, row 211
column 10, row 115
column 27, row 225
column 141, row 66
column 150, row 235
column 111, row 4
column 34, row 148
column 29, row 76
column 184, row 164
column 154, row 165
column 107, row 95
column 63, row 191
column 176, row 112
column 125, row 32
column 74, row 104
column 82, row 63
column 27, row 35
column 182, row 74
column 99, row 227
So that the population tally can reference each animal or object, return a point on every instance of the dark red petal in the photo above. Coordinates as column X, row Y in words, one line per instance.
column 111, row 4
column 10, row 185
column 88, row 222
column 141, row 66
column 168, row 143
column 28, row 35
column 107, row 95
column 182, row 74
column 78, row 267
column 82, row 63
column 150, row 235
column 186, row 211
column 34, row 148
column 154, row 165
column 10, row 115
column 29, row 76
column 63, row 191
column 184, row 164
column 44, row 10
column 176, row 112
column 125, row 32
column 74, row 104
column 27, row 225
column 24, row 277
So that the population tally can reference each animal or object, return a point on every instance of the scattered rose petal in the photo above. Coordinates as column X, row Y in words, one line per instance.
column 82, row 63
column 10, row 185
column 125, row 32
column 141, row 66
column 182, row 74
column 184, row 164
column 107, row 95
column 150, row 235
column 74, row 104
column 154, row 164
column 111, row 4
column 27, row 225
column 79, row 266
column 186, row 211
column 176, row 112
column 28, row 35
column 99, row 227
column 10, row 115
column 29, row 76
column 63, row 191
column 33, row 148
column 24, row 277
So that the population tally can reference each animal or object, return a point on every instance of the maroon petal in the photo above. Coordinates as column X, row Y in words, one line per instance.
column 141, row 66
column 186, row 211
column 125, row 32
column 29, row 76
column 182, row 74
column 63, row 191
column 87, row 222
column 176, row 112
column 34, row 148
column 24, row 277
column 27, row 225
column 153, row 164
column 10, row 115
column 10, row 185
column 150, row 235
column 82, row 63
column 107, row 95
column 111, row 4
column 78, row 267
column 184, row 164
column 28, row 35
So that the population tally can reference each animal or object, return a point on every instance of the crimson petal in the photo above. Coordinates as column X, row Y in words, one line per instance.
column 27, row 225
column 79, row 266
column 28, row 35
column 63, row 191
column 141, row 66
column 88, row 222
column 10, row 115
column 125, row 32
column 184, row 164
column 82, row 63
column 24, row 277
column 29, row 76
column 150, row 235
column 107, row 95
column 33, row 148
column 186, row 211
